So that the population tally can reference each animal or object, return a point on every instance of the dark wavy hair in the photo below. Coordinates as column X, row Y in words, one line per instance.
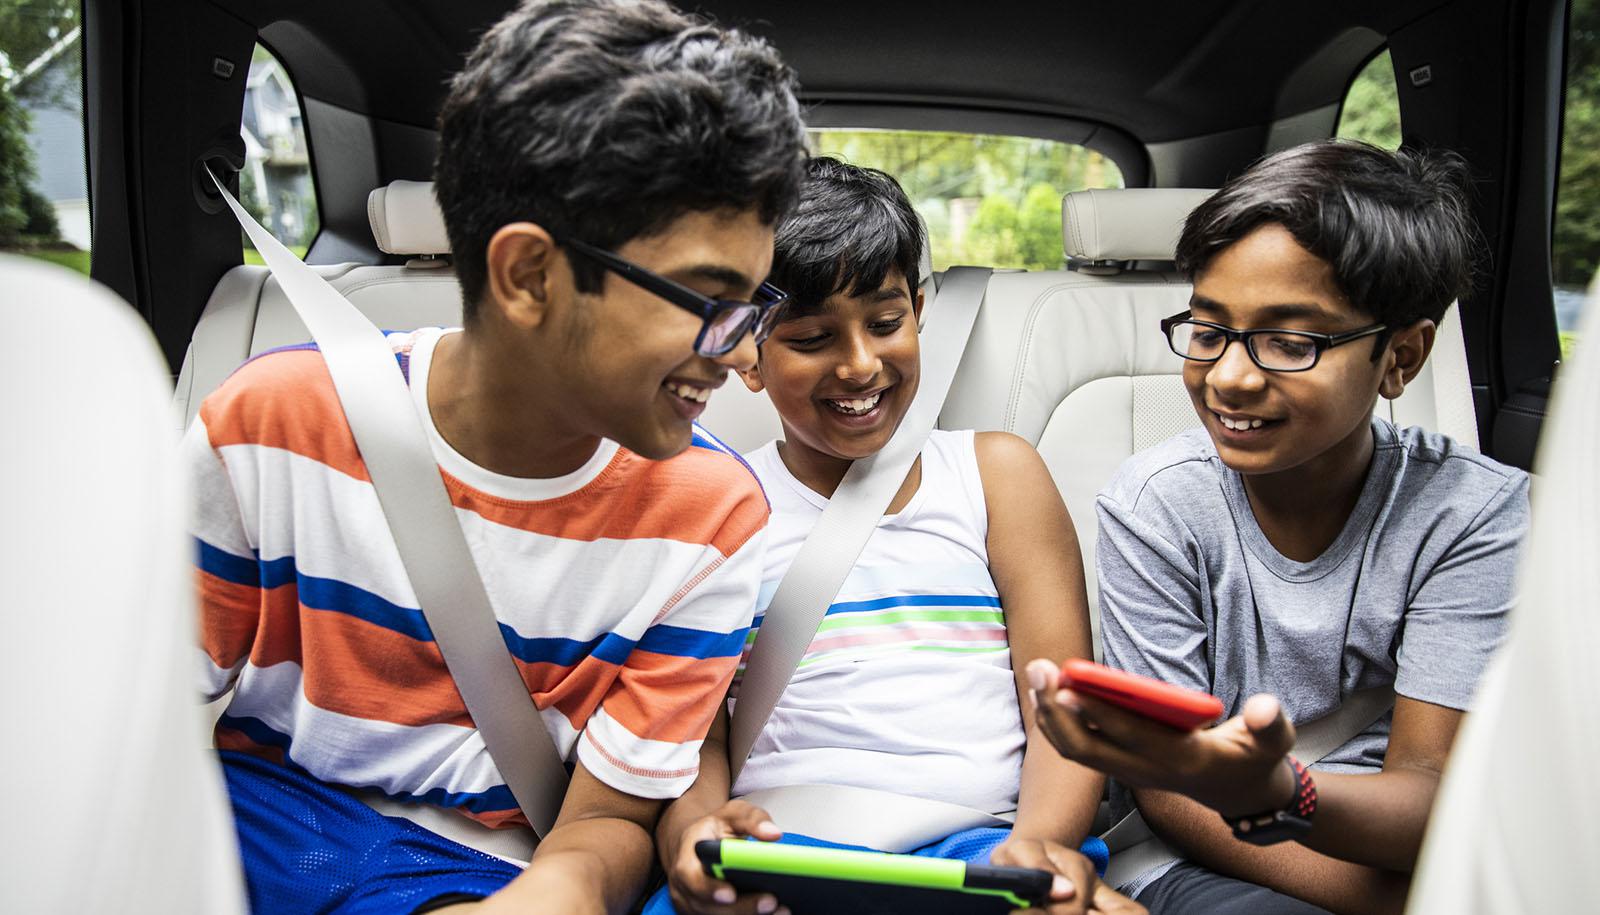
column 851, row 227
column 1395, row 226
column 605, row 120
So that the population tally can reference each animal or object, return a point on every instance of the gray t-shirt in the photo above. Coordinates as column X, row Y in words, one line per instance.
column 1413, row 592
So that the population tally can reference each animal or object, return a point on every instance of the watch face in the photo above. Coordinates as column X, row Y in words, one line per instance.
column 1271, row 828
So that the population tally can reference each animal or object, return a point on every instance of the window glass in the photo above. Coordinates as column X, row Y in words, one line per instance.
column 993, row 201
column 1371, row 109
column 276, row 184
column 1575, row 236
column 44, row 183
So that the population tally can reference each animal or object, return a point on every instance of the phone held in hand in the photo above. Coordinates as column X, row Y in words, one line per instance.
column 1174, row 706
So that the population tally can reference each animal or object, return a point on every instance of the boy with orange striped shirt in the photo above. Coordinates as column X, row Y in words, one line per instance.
column 620, row 547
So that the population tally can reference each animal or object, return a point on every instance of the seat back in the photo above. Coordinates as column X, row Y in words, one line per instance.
column 248, row 313
column 1512, row 830
column 121, row 808
column 1074, row 361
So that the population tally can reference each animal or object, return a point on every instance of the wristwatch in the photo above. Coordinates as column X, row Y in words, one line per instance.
column 1292, row 822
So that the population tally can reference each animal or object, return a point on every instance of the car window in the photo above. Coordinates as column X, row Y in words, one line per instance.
column 276, row 185
column 44, row 177
column 1371, row 110
column 988, row 200
column 1575, row 234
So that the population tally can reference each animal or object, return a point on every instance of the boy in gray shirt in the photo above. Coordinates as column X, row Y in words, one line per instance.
column 1298, row 547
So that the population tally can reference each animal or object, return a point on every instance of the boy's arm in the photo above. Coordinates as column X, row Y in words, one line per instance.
column 1038, row 570
column 227, row 571
column 705, row 812
column 1037, row 567
column 1290, row 868
column 1368, row 828
column 594, row 860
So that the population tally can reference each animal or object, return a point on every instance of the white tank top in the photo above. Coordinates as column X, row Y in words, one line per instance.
column 907, row 686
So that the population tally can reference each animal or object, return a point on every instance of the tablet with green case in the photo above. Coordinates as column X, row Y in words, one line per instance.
column 816, row 881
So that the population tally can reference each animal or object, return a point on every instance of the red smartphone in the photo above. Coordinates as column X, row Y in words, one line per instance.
column 1174, row 706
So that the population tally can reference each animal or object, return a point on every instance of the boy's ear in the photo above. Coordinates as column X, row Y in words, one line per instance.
column 916, row 305
column 752, row 378
column 1407, row 352
column 520, row 257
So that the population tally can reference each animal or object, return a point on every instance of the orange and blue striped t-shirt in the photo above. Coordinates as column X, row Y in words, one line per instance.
column 624, row 591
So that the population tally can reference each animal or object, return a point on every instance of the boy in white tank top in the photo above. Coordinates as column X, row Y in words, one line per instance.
column 908, row 685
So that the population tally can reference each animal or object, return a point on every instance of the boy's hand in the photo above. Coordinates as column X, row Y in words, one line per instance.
column 1108, row 901
column 693, row 891
column 1075, row 883
column 1235, row 768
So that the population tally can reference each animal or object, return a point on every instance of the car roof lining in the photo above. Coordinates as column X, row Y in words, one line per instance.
column 1203, row 67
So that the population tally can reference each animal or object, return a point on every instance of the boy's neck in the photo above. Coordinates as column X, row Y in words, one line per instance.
column 498, row 420
column 1302, row 510
column 822, row 473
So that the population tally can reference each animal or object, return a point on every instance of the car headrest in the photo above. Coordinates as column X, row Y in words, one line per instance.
column 1127, row 224
column 406, row 219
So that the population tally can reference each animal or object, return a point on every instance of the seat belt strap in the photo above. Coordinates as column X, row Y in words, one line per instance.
column 1135, row 849
column 382, row 417
column 831, row 549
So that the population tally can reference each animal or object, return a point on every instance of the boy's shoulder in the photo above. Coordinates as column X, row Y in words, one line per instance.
column 1438, row 454
column 1450, row 476
column 288, row 376
column 1181, row 466
column 708, row 480
column 285, row 398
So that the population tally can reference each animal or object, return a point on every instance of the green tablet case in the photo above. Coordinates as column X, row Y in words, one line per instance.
column 817, row 881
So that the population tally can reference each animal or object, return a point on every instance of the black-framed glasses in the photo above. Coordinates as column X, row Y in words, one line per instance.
column 1270, row 348
column 723, row 321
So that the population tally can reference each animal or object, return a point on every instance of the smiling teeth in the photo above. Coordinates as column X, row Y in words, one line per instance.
column 856, row 407
column 698, row 395
column 1239, row 424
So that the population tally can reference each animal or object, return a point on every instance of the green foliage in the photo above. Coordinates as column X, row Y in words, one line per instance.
column 1011, row 188
column 1372, row 107
column 18, row 211
column 28, row 28
column 1575, row 242
column 72, row 260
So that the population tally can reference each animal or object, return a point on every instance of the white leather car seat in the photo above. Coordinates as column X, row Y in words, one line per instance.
column 1074, row 360
column 115, row 806
column 248, row 313
column 1514, row 828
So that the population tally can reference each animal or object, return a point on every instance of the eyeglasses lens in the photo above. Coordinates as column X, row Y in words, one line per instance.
column 726, row 328
column 1277, row 351
column 1284, row 352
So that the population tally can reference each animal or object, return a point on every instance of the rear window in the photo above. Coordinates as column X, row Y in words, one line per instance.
column 988, row 200
column 1371, row 109
column 276, row 184
column 1575, row 232
column 44, row 183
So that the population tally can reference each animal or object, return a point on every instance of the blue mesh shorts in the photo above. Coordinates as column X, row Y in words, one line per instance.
column 308, row 847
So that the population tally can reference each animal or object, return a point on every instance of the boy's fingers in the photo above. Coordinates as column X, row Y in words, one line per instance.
column 1263, row 715
column 1043, row 675
column 746, row 819
column 744, row 905
column 1111, row 902
column 1131, row 731
column 1073, row 739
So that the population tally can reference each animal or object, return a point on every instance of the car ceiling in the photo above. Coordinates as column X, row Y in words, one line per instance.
column 1157, row 70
